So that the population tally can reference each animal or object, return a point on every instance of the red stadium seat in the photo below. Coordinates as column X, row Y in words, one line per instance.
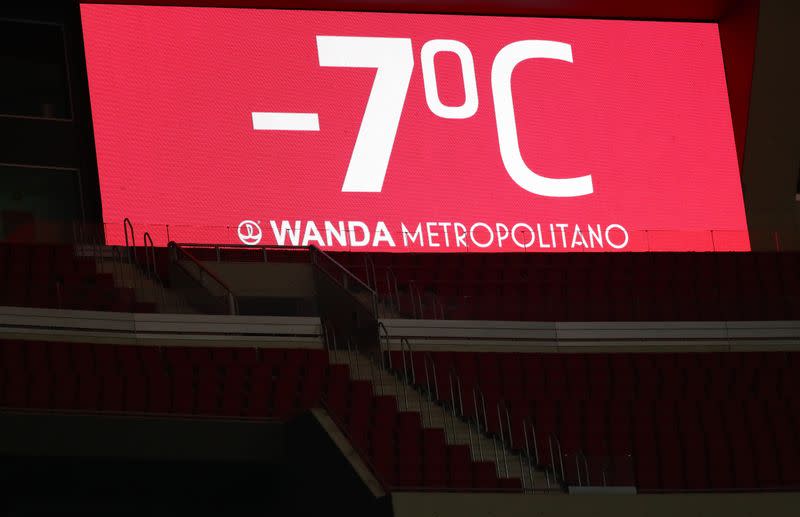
column 460, row 466
column 286, row 390
column 135, row 393
column 233, row 391
column 484, row 475
column 694, row 421
column 183, row 389
column 159, row 392
column 434, row 456
column 209, row 390
column 111, row 393
column 259, row 397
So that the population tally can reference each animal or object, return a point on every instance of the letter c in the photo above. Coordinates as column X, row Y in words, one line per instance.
column 504, row 63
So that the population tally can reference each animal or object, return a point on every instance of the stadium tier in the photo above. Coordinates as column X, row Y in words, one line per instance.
column 587, row 402
column 702, row 421
column 577, row 287
column 689, row 420
column 42, row 275
column 586, row 286
column 238, row 383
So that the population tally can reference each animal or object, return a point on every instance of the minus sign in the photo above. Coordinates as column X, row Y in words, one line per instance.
column 285, row 121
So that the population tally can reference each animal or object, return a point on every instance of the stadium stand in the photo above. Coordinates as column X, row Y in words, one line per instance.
column 693, row 421
column 585, row 286
column 52, row 276
column 276, row 383
column 428, row 417
column 656, row 411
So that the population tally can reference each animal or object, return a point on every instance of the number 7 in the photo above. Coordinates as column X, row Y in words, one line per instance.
column 394, row 60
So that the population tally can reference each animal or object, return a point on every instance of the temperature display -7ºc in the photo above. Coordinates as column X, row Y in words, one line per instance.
column 412, row 132
column 394, row 60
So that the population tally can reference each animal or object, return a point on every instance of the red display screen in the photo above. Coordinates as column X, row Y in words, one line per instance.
column 412, row 132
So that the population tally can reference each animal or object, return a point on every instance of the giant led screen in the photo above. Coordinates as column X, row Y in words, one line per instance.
column 412, row 132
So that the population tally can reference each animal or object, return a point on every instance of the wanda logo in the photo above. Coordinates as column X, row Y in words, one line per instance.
column 249, row 232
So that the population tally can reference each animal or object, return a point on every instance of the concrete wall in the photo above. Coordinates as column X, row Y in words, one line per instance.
column 40, row 146
column 285, row 280
column 140, row 438
column 772, row 149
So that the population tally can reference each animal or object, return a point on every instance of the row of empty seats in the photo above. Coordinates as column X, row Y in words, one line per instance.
column 586, row 287
column 686, row 421
column 240, row 383
column 214, row 381
column 51, row 276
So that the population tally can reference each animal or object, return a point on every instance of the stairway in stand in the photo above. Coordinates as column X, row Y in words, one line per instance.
column 494, row 466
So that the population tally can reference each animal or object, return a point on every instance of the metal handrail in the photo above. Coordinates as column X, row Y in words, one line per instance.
column 475, row 407
column 578, row 457
column 245, row 246
column 412, row 287
column 454, row 375
column 126, row 223
column 392, row 373
column 604, row 472
column 453, row 404
column 528, row 453
column 387, row 351
column 502, row 433
column 407, row 343
column 475, row 390
column 405, row 368
column 508, row 423
column 389, row 291
column 483, row 407
column 180, row 249
column 316, row 251
column 350, row 356
column 233, row 307
column 327, row 332
column 560, row 456
column 150, row 261
column 347, row 275
column 431, row 397
column 535, row 442
column 437, row 303
column 460, row 396
column 405, row 380
column 486, row 424
column 586, row 468
column 151, row 255
column 369, row 266
column 391, row 281
column 263, row 248
column 429, row 358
